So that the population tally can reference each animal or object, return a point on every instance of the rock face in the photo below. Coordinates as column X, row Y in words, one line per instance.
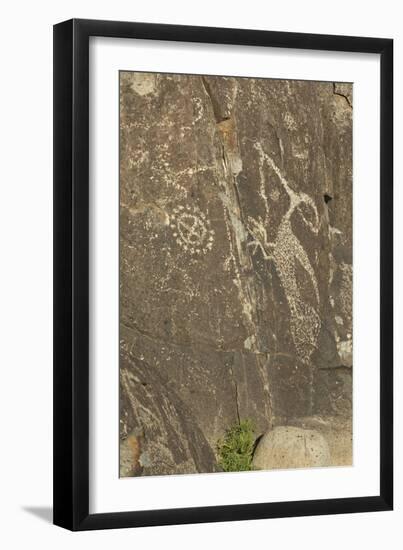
column 290, row 447
column 235, row 262
column 164, row 437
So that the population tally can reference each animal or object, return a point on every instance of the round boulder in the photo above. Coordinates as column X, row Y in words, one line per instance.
column 291, row 447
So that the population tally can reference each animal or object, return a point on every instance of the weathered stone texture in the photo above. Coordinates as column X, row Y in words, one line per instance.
column 235, row 261
column 291, row 447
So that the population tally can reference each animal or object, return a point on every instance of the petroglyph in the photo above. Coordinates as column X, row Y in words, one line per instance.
column 251, row 320
column 289, row 122
column 142, row 83
column 197, row 109
column 192, row 231
column 345, row 290
column 285, row 251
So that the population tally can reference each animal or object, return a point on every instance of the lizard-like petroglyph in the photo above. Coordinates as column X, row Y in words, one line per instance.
column 285, row 251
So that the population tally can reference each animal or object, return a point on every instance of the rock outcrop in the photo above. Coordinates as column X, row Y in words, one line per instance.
column 235, row 263
column 291, row 447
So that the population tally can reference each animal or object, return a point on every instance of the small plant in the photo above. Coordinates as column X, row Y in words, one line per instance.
column 235, row 450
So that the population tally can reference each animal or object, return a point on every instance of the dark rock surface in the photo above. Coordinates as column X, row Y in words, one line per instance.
column 235, row 262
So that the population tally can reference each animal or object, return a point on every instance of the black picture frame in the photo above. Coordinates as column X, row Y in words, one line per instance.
column 71, row 274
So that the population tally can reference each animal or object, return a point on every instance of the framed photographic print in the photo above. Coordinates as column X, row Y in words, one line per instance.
column 223, row 320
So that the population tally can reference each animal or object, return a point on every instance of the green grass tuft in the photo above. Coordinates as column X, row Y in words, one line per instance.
column 235, row 449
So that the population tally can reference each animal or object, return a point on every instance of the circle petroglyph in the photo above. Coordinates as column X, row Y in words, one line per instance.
column 191, row 229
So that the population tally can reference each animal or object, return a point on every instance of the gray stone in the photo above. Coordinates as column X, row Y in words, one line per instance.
column 291, row 447
column 337, row 430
